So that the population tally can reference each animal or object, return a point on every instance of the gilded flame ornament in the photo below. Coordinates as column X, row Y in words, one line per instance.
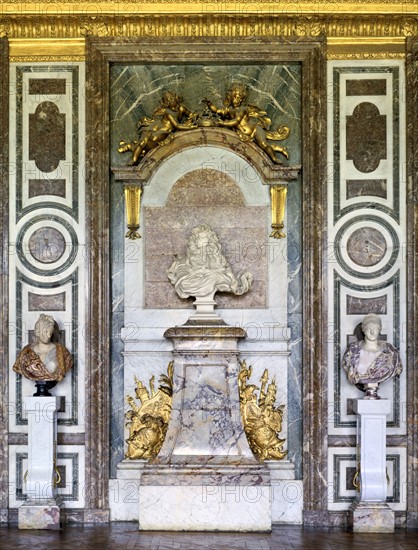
column 262, row 420
column 148, row 422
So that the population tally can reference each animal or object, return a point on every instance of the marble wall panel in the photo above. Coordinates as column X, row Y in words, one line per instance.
column 367, row 235
column 47, row 242
column 135, row 91
column 242, row 231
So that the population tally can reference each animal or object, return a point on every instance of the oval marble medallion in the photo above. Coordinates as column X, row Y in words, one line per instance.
column 366, row 246
column 47, row 245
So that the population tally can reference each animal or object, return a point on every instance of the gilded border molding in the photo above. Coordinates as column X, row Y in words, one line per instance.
column 62, row 38
column 333, row 25
column 129, row 7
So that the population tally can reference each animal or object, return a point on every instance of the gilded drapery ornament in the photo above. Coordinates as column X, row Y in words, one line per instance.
column 262, row 420
column 148, row 422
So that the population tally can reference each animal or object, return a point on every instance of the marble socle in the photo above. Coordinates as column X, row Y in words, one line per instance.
column 205, row 477
column 370, row 513
column 42, row 509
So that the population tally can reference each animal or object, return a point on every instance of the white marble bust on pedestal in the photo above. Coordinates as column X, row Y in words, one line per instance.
column 367, row 363
column 371, row 361
column 204, row 271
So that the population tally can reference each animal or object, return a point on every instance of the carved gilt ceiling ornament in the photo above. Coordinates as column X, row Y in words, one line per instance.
column 53, row 30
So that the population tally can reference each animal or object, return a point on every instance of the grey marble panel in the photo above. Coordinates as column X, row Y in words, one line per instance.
column 117, row 397
column 294, row 322
column 136, row 90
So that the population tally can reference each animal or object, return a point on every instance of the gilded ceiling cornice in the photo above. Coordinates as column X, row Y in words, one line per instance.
column 77, row 26
column 46, row 35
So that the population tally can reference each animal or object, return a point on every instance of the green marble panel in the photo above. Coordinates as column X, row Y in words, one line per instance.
column 135, row 91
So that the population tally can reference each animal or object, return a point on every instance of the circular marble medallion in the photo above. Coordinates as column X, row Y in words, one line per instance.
column 47, row 245
column 366, row 246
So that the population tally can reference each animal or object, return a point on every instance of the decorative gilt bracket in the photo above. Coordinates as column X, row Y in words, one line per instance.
column 133, row 206
column 278, row 206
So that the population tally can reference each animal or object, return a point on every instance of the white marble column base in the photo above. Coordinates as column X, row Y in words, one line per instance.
column 371, row 517
column 205, row 508
column 41, row 514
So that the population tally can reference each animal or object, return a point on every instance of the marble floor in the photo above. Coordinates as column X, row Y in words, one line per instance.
column 126, row 536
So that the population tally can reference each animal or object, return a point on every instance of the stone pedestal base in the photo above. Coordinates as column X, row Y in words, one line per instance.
column 41, row 514
column 197, row 497
column 124, row 490
column 371, row 517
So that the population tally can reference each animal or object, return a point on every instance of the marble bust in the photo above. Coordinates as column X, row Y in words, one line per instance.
column 204, row 270
column 371, row 361
column 44, row 360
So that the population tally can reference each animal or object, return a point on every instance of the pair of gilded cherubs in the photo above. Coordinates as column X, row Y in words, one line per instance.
column 248, row 121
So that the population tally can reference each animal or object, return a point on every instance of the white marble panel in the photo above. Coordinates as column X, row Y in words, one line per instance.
column 205, row 508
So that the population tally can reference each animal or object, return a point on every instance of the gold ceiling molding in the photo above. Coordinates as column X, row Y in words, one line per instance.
column 61, row 38
column 209, row 25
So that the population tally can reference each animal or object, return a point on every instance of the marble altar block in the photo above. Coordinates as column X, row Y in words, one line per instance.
column 370, row 513
column 43, row 508
column 205, row 476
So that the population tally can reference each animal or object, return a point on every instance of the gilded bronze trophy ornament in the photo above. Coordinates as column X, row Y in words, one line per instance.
column 262, row 419
column 248, row 121
column 148, row 421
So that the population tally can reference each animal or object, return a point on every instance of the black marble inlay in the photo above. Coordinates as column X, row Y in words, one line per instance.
column 369, row 86
column 47, row 86
column 366, row 137
column 362, row 188
column 53, row 187
column 42, row 302
column 47, row 136
column 356, row 305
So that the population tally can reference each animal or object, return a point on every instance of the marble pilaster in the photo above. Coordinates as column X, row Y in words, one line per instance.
column 412, row 299
column 4, row 279
column 314, row 316
column 98, row 328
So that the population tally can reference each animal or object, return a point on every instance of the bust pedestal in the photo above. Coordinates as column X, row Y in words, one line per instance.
column 42, row 509
column 370, row 513
column 205, row 477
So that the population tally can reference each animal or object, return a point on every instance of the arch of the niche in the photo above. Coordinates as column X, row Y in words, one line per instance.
column 169, row 171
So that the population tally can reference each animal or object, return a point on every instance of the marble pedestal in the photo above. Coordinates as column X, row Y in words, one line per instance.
column 42, row 509
column 370, row 513
column 205, row 477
